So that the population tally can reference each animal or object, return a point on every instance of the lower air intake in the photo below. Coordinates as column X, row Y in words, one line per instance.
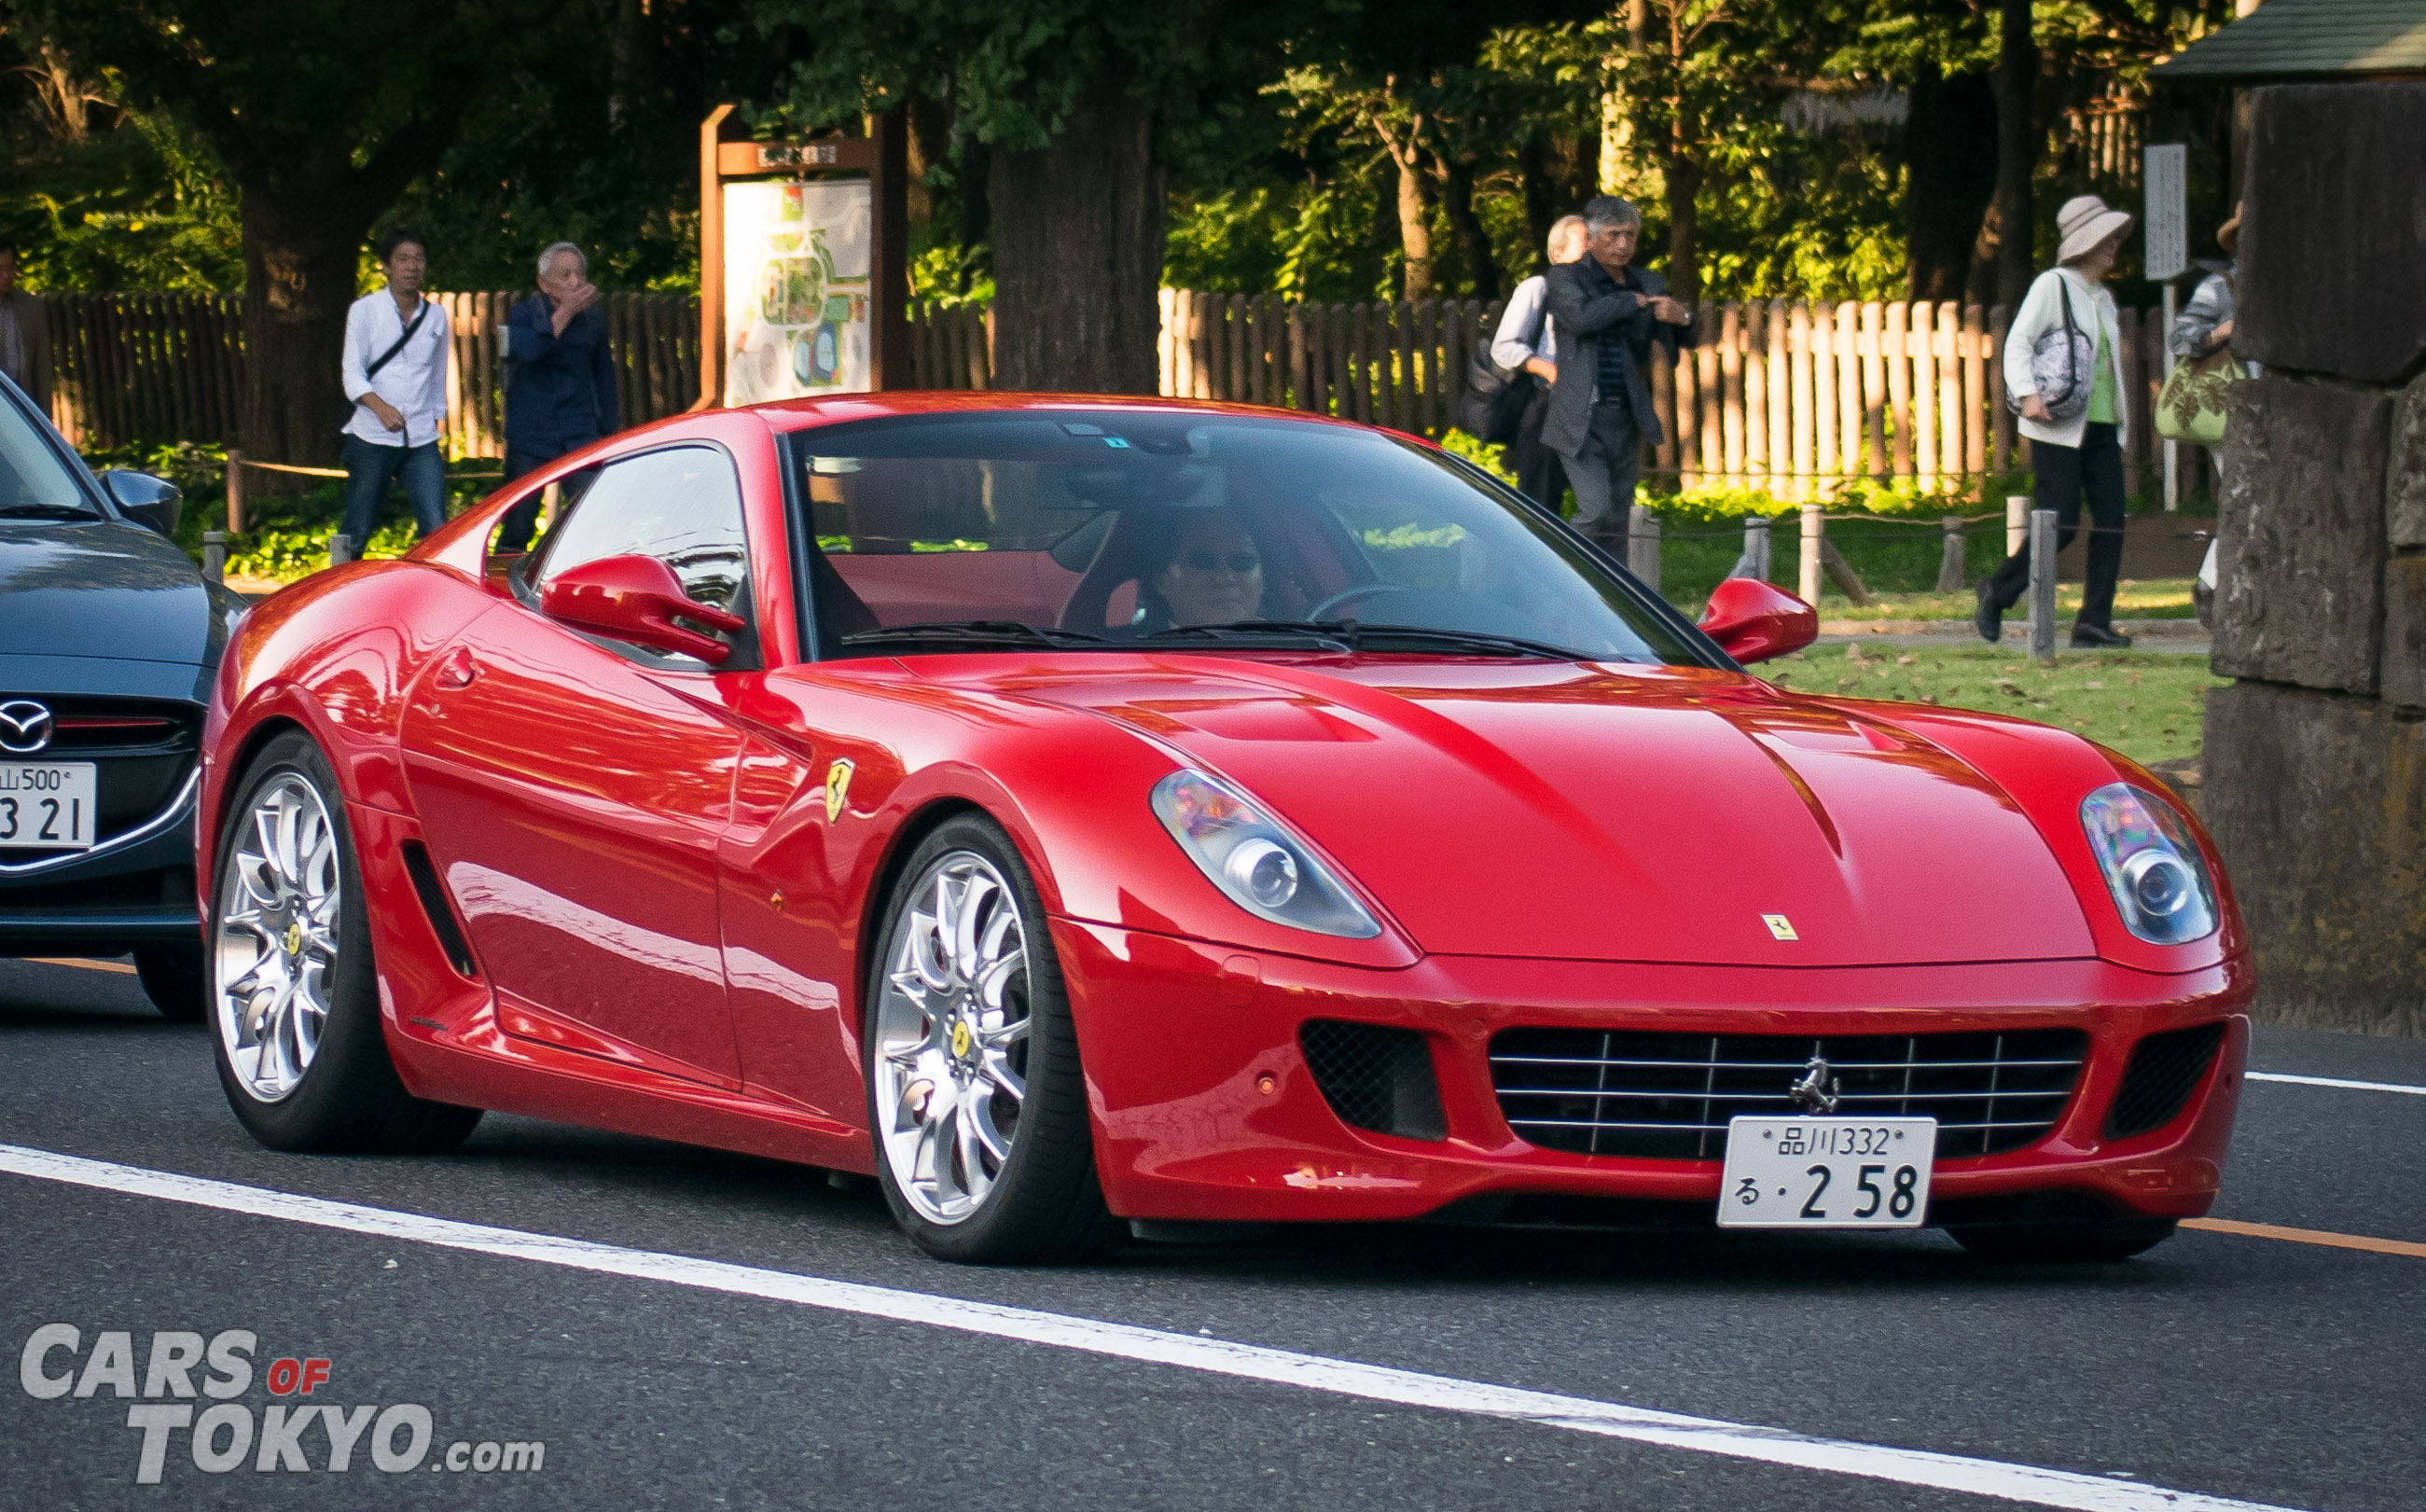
column 1375, row 1077
column 2165, row 1069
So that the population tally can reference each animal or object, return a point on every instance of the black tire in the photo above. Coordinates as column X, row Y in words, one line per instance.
column 350, row 1097
column 1047, row 1205
column 2065, row 1244
column 172, row 977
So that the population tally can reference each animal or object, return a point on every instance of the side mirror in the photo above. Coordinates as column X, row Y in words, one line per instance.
column 145, row 499
column 1754, row 621
column 637, row 600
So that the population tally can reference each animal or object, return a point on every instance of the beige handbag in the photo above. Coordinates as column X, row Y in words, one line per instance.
column 2190, row 407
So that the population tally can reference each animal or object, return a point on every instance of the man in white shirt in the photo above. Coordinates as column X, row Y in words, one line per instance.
column 394, row 371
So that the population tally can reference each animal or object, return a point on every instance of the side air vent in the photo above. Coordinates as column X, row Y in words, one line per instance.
column 441, row 915
column 2165, row 1069
column 1375, row 1077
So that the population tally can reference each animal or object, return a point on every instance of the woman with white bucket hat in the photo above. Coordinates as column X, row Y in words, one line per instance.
column 2064, row 371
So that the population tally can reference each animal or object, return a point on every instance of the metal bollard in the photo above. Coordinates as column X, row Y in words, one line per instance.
column 1806, row 582
column 215, row 554
column 1949, row 566
column 341, row 549
column 2017, row 528
column 1642, row 546
column 2043, row 586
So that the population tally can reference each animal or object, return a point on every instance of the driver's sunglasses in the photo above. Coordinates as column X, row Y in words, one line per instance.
column 1238, row 561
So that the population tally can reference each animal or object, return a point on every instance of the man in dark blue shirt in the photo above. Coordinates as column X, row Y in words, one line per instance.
column 1609, row 315
column 560, row 388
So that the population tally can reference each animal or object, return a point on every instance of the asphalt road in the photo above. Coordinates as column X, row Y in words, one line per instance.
column 2259, row 1368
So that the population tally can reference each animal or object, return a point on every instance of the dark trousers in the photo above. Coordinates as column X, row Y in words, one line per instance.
column 1603, row 472
column 1541, row 473
column 2060, row 476
column 370, row 468
column 523, row 519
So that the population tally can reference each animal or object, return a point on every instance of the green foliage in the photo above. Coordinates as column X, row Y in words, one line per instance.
column 138, row 202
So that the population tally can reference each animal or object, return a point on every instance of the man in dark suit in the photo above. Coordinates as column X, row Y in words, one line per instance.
column 561, row 396
column 1609, row 314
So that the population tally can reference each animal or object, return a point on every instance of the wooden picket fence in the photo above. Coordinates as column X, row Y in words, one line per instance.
column 1786, row 396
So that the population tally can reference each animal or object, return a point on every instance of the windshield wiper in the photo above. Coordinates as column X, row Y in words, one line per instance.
column 973, row 632
column 46, row 511
column 1331, row 635
column 1373, row 637
column 1356, row 635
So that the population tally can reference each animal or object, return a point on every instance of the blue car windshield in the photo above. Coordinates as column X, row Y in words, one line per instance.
column 1117, row 527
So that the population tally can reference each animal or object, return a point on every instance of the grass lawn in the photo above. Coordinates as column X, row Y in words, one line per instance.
column 2162, row 598
column 2147, row 704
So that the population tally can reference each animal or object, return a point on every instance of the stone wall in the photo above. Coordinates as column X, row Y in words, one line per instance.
column 2315, row 761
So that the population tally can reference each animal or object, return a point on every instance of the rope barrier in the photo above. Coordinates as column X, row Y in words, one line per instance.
column 340, row 472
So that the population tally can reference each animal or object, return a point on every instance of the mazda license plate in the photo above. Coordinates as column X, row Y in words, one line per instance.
column 47, row 806
column 1827, row 1173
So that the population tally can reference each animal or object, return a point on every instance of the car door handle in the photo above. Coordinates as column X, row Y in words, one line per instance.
column 457, row 671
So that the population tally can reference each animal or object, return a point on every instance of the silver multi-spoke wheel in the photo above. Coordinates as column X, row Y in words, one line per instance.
column 952, row 1022
column 275, row 941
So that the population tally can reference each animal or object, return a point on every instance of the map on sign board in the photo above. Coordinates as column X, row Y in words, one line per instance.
column 2168, row 243
column 796, row 289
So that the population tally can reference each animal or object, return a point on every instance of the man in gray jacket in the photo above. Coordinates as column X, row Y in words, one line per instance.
column 1609, row 315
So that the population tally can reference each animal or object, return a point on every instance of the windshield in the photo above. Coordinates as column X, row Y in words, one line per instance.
column 34, row 483
column 1119, row 528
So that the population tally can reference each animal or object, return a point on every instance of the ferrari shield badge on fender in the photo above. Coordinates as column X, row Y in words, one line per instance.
column 837, row 789
column 1780, row 926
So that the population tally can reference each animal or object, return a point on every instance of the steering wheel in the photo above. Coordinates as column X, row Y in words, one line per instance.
column 1350, row 594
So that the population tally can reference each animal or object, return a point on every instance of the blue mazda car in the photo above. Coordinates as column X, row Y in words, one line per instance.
column 109, row 638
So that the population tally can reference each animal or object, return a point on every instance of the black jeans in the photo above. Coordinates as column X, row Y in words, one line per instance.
column 2060, row 476
column 523, row 519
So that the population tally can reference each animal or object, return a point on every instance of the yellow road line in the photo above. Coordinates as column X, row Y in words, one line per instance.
column 2308, row 1236
column 88, row 966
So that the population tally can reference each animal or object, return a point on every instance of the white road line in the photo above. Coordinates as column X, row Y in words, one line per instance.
column 2026, row 1484
column 2335, row 1082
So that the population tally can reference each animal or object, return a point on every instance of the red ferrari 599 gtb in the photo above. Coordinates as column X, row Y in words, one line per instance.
column 1083, row 813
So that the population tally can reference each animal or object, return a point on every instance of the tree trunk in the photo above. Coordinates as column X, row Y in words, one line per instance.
column 2016, row 79
column 301, row 243
column 931, row 142
column 1415, row 225
column 1077, row 253
column 1541, row 198
column 1472, row 242
column 1949, row 179
column 1684, row 183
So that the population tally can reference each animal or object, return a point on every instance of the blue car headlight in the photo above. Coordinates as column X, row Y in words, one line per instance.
column 1260, row 867
column 2152, row 865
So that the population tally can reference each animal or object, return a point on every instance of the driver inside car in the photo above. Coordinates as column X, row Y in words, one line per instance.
column 1212, row 573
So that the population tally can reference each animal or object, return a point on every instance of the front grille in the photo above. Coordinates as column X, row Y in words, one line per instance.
column 143, row 748
column 1375, row 1077
column 2165, row 1069
column 1668, row 1096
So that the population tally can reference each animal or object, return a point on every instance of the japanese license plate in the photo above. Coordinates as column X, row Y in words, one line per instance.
column 1827, row 1173
column 47, row 806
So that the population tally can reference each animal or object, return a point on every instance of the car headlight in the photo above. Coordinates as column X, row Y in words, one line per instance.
column 1260, row 865
column 2152, row 865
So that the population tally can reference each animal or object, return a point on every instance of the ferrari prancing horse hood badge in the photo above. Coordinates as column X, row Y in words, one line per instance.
column 837, row 789
column 1779, row 927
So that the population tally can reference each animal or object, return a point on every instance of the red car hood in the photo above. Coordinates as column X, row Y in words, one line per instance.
column 1624, row 814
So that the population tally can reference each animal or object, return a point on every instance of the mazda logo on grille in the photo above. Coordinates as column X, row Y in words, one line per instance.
column 26, row 727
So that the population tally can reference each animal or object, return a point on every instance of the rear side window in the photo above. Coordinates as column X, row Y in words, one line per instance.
column 682, row 506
